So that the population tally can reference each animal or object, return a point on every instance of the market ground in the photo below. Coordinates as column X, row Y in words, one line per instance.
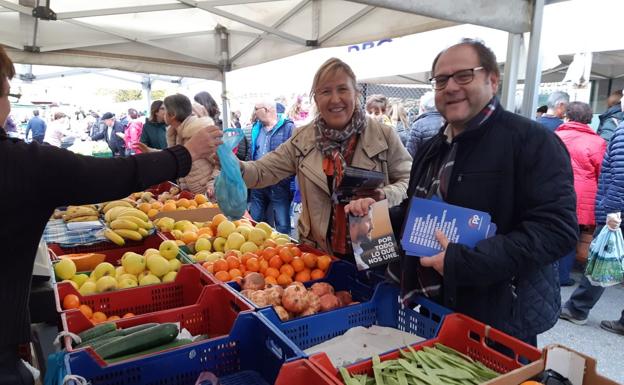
column 607, row 348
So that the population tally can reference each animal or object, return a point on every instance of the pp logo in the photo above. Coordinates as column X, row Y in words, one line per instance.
column 474, row 222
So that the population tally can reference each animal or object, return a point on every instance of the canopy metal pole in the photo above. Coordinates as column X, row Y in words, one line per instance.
column 224, row 62
column 147, row 90
column 510, row 78
column 534, row 63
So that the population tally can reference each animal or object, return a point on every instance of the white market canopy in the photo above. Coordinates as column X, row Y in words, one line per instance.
column 183, row 37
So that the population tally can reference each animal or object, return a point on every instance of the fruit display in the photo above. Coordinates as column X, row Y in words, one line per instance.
column 85, row 213
column 125, row 222
column 154, row 266
column 172, row 200
column 437, row 365
column 295, row 300
column 72, row 301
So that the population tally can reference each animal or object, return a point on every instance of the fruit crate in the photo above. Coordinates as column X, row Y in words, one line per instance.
column 113, row 252
column 184, row 291
column 341, row 275
column 302, row 372
column 461, row 333
column 213, row 314
column 253, row 353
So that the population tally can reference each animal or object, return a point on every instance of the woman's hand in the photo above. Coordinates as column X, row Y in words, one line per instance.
column 359, row 207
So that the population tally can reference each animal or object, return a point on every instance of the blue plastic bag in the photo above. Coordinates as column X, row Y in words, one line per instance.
column 230, row 189
column 604, row 264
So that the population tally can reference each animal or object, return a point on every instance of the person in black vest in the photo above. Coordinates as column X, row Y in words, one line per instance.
column 34, row 180
column 113, row 128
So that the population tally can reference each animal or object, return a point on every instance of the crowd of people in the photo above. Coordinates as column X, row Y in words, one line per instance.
column 541, row 181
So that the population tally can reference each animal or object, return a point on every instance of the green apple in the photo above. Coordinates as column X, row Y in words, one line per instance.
column 177, row 234
column 119, row 271
column 219, row 244
column 257, row 236
column 248, row 247
column 74, row 284
column 127, row 276
column 169, row 277
column 202, row 256
column 80, row 279
column 133, row 263
column 175, row 264
column 266, row 227
column 103, row 269
column 180, row 225
column 245, row 230
column 225, row 228
column 165, row 224
column 149, row 251
column 234, row 241
column 148, row 279
column 126, row 283
column 158, row 265
column 88, row 288
column 169, row 249
column 203, row 244
column 106, row 283
column 65, row 268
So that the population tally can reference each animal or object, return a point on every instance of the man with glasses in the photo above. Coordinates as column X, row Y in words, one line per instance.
column 269, row 131
column 489, row 159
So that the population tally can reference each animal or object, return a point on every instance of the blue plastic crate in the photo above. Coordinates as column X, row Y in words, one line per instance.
column 254, row 345
column 383, row 309
column 341, row 275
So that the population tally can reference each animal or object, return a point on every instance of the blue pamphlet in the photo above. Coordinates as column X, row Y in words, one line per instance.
column 459, row 224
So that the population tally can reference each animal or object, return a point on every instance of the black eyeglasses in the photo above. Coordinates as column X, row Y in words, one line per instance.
column 460, row 77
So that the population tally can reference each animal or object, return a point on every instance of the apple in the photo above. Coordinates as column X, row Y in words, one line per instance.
column 180, row 225
column 166, row 224
column 65, row 268
column 219, row 244
column 74, row 284
column 127, row 276
column 127, row 283
column 234, row 241
column 177, row 234
column 203, row 244
column 215, row 256
column 88, row 288
column 225, row 228
column 133, row 263
column 119, row 271
column 169, row 249
column 148, row 279
column 158, row 266
column 80, row 279
column 201, row 256
column 248, row 247
column 257, row 236
column 175, row 264
column 103, row 269
column 266, row 227
column 170, row 276
column 106, row 283
column 150, row 251
column 245, row 230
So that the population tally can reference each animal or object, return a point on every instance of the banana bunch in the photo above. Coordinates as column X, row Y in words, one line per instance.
column 126, row 223
column 118, row 203
column 81, row 213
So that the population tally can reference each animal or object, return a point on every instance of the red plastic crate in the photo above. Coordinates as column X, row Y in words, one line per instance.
column 213, row 314
column 302, row 372
column 461, row 333
column 185, row 290
column 113, row 252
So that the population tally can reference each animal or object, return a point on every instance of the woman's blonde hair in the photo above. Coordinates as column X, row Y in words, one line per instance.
column 331, row 66
column 398, row 114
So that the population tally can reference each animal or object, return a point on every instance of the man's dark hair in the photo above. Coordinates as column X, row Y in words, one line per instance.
column 579, row 112
column 543, row 109
column 179, row 106
column 487, row 59
column 133, row 113
column 614, row 98
column 36, row 112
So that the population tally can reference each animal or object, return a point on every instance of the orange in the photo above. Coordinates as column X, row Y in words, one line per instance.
column 271, row 272
column 276, row 262
column 310, row 260
column 288, row 270
column 71, row 301
column 222, row 276
column 169, row 207
column 218, row 219
column 128, row 315
column 270, row 280
column 284, row 280
column 233, row 262
column 269, row 252
column 296, row 251
column 98, row 317
column 113, row 318
column 86, row 310
column 298, row 264
column 200, row 198
column 253, row 264
column 209, row 266
column 151, row 213
column 145, row 207
column 220, row 265
column 205, row 231
column 269, row 243
column 286, row 255
column 235, row 273
column 323, row 262
column 317, row 274
column 303, row 276
column 263, row 266
column 157, row 205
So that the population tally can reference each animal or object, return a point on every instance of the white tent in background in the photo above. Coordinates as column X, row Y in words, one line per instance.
column 205, row 39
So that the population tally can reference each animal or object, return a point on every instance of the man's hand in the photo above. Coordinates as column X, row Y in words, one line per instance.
column 359, row 207
column 613, row 221
column 204, row 143
column 437, row 261
column 143, row 147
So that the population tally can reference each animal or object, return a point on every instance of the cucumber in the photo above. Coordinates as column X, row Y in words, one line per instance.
column 103, row 337
column 97, row 331
column 138, row 328
column 141, row 340
column 172, row 344
column 97, row 344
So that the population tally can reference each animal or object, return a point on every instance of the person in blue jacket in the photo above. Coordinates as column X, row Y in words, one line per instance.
column 269, row 131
